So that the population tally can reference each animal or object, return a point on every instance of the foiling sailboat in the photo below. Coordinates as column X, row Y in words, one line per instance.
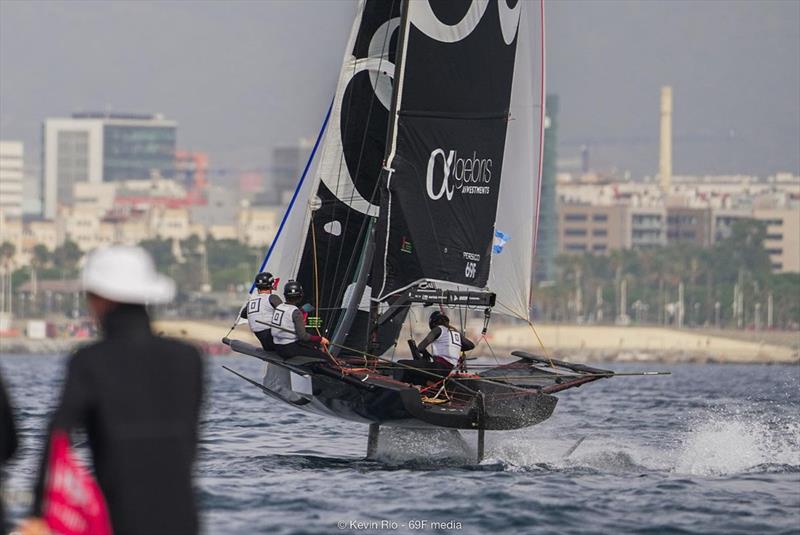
column 422, row 190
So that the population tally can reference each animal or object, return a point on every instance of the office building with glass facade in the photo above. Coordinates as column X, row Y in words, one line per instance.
column 103, row 147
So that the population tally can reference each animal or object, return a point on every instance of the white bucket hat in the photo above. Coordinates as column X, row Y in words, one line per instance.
column 126, row 275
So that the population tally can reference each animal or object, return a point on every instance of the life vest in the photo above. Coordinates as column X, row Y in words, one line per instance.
column 282, row 318
column 259, row 313
column 448, row 345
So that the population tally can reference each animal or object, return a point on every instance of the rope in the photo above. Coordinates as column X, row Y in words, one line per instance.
column 491, row 350
column 316, row 267
column 546, row 353
column 231, row 329
column 559, row 375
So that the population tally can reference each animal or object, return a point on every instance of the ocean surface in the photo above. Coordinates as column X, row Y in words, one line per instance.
column 708, row 449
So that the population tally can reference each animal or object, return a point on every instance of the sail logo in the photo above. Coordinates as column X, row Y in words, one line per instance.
column 470, row 175
column 425, row 19
column 500, row 241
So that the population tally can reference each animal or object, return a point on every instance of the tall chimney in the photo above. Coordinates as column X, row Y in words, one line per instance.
column 665, row 155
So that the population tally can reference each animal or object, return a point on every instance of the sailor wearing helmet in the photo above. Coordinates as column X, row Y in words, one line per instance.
column 259, row 310
column 289, row 327
column 446, row 342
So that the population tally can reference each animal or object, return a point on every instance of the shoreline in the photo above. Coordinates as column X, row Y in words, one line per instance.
column 569, row 342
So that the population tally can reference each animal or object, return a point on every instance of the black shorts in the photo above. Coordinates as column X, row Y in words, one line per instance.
column 265, row 337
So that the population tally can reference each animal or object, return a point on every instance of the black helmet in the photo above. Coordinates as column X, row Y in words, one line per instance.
column 437, row 318
column 264, row 281
column 293, row 291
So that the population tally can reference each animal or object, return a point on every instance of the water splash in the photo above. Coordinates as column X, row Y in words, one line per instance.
column 599, row 453
column 721, row 445
column 716, row 443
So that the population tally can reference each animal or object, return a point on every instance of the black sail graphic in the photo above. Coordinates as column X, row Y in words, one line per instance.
column 445, row 157
column 345, row 202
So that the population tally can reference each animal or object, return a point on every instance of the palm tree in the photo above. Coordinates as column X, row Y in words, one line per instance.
column 40, row 257
column 66, row 258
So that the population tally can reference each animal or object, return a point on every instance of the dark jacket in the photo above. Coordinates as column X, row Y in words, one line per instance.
column 8, row 441
column 138, row 397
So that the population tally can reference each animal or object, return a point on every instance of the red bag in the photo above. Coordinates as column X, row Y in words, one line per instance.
column 73, row 502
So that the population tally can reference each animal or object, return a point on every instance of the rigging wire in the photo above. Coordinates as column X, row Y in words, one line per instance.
column 316, row 267
column 535, row 333
column 320, row 134
column 546, row 353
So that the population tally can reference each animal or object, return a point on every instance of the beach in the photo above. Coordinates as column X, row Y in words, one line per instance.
column 580, row 343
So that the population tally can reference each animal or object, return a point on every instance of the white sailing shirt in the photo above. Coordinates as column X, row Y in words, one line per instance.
column 259, row 312
column 282, row 318
column 447, row 345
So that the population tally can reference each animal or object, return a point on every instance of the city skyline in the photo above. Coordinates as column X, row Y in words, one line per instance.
column 246, row 77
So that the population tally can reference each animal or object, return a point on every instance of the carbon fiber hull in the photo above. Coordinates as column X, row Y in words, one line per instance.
column 374, row 398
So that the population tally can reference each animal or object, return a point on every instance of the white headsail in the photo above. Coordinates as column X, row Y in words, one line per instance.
column 515, row 231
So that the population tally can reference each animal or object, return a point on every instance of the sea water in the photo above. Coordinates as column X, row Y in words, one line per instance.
column 709, row 449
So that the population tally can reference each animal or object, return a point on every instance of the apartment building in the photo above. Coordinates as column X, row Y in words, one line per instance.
column 783, row 237
column 11, row 177
column 86, row 227
column 592, row 229
column 174, row 224
column 690, row 225
column 257, row 226
column 39, row 232
column 647, row 227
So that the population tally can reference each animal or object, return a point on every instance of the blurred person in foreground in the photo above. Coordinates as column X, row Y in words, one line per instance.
column 8, row 441
column 137, row 396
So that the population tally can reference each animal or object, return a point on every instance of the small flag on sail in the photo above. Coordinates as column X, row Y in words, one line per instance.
column 73, row 502
column 500, row 240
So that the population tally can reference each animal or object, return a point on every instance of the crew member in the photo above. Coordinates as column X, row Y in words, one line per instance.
column 8, row 441
column 259, row 310
column 446, row 344
column 289, row 327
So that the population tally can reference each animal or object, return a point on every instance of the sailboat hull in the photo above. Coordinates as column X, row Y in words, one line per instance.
column 374, row 398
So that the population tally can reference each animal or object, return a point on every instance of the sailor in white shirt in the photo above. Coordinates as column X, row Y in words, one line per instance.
column 446, row 344
column 260, row 308
column 289, row 327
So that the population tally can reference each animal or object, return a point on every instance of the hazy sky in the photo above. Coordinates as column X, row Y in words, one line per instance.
column 243, row 77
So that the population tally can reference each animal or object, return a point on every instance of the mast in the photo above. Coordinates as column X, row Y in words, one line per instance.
column 343, row 328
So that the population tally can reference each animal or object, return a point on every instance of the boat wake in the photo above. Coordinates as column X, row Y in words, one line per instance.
column 713, row 446
column 722, row 446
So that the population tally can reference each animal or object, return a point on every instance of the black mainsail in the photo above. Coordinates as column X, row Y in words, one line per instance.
column 335, row 214
column 445, row 164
